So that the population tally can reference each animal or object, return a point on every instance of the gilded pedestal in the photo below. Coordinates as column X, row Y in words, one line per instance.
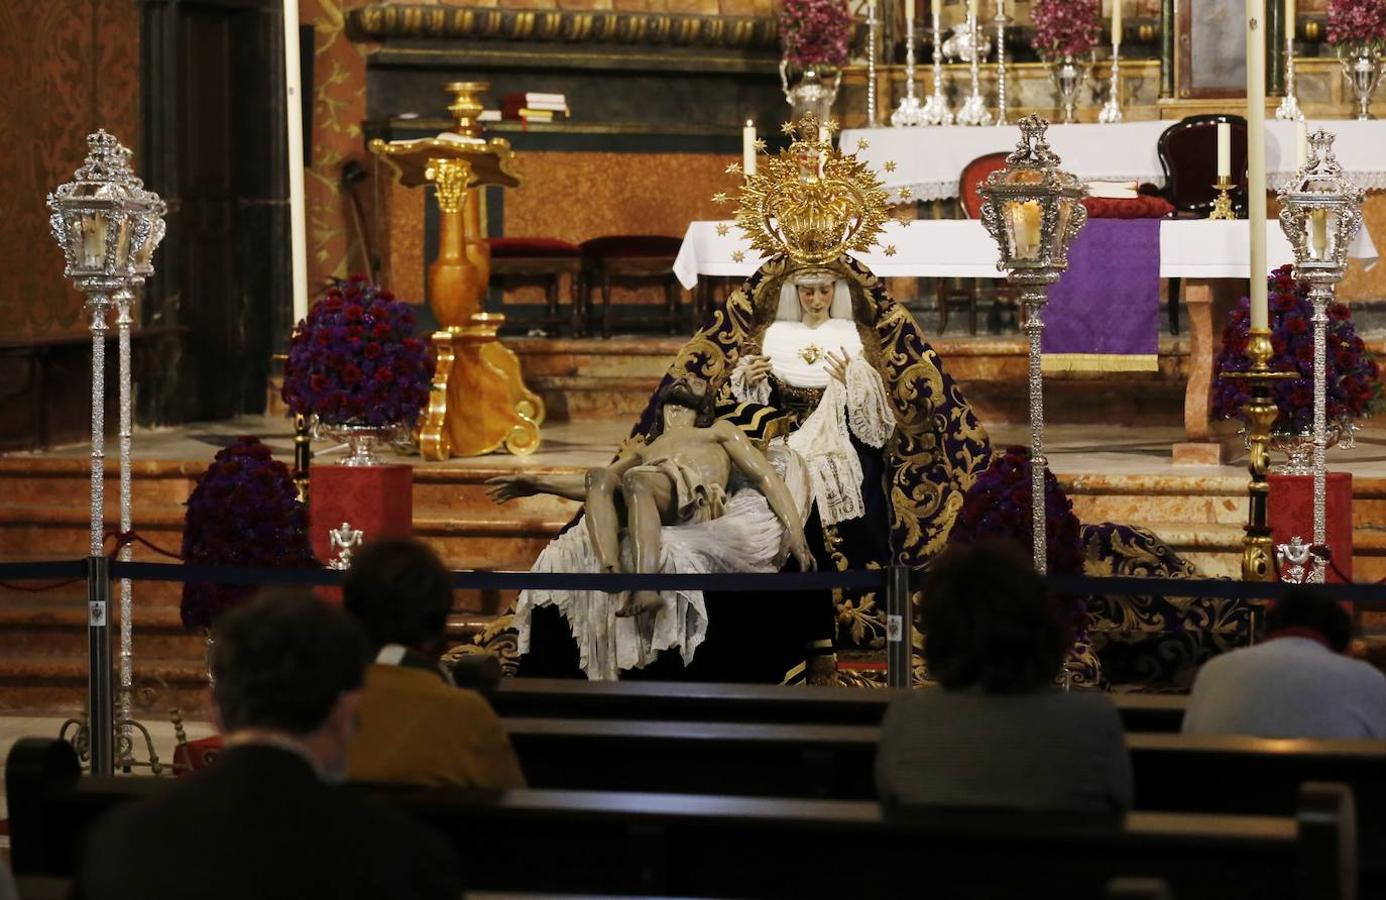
column 478, row 402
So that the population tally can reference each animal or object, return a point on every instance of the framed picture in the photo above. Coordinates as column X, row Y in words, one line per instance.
column 1210, row 49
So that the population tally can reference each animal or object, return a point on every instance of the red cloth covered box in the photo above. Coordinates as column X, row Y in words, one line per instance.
column 376, row 500
column 1292, row 513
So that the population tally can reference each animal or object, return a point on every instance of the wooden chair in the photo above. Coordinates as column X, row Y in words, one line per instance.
column 632, row 259
column 1188, row 152
column 967, row 295
column 541, row 261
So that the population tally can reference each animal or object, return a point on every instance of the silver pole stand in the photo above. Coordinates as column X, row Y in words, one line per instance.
column 1001, row 21
column 871, row 25
column 974, row 108
column 936, row 111
column 899, row 628
column 1110, row 113
column 1320, row 295
column 124, row 745
column 1289, row 104
column 100, row 708
column 909, row 113
column 1034, row 297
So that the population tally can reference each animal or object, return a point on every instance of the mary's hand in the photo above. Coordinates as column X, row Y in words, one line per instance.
column 837, row 364
column 758, row 368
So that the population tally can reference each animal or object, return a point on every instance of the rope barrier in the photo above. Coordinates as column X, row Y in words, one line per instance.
column 1369, row 597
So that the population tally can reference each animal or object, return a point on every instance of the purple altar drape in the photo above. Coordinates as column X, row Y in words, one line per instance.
column 1103, row 314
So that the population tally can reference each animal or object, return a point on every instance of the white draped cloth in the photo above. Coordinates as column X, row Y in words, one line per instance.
column 798, row 357
column 745, row 538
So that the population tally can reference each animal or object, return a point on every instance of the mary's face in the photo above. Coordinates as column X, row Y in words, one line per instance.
column 815, row 298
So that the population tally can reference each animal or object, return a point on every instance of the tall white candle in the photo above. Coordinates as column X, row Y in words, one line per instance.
column 298, row 219
column 1256, row 156
column 748, row 148
column 937, row 10
column 1116, row 23
column 1224, row 150
column 1301, row 143
column 972, row 8
column 1290, row 17
column 909, row 15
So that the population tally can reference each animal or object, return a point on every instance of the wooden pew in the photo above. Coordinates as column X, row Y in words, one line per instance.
column 768, row 704
column 549, row 842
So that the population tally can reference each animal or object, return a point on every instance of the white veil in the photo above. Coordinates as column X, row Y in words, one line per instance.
column 790, row 311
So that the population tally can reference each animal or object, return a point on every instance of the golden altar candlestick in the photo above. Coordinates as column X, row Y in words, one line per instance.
column 478, row 402
column 1222, row 204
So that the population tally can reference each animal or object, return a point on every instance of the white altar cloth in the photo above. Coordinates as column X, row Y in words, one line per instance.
column 961, row 248
column 928, row 160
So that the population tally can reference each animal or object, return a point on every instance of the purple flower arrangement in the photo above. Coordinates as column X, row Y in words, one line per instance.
column 355, row 359
column 1353, row 388
column 1066, row 27
column 1356, row 21
column 244, row 511
column 998, row 505
column 815, row 32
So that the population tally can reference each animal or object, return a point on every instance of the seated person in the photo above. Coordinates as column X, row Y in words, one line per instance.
column 264, row 820
column 416, row 727
column 1297, row 683
column 998, row 732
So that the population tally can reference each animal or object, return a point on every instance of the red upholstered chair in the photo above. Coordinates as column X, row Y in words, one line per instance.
column 541, row 261
column 631, row 258
column 1188, row 152
column 966, row 295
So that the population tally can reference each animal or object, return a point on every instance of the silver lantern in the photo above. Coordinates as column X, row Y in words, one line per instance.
column 1321, row 214
column 1033, row 209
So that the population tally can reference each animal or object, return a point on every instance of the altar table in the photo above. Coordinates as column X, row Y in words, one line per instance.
column 929, row 160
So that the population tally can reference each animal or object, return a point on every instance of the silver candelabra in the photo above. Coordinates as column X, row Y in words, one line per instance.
column 1289, row 104
column 936, row 111
column 1321, row 213
column 910, row 112
column 1001, row 21
column 1110, row 113
column 974, row 109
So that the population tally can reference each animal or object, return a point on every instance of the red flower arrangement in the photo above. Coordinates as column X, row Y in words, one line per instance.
column 1066, row 27
column 815, row 32
column 244, row 511
column 1356, row 21
column 355, row 359
column 1353, row 389
column 998, row 505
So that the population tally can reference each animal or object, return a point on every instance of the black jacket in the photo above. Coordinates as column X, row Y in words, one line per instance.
column 260, row 823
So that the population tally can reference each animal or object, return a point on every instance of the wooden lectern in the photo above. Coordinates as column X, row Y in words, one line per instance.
column 478, row 402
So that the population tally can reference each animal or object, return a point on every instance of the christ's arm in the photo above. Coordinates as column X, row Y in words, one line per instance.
column 757, row 469
column 509, row 487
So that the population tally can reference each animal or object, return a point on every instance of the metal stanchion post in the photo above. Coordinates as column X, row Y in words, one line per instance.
column 899, row 627
column 101, row 714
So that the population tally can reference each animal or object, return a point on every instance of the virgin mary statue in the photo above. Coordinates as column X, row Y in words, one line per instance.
column 813, row 355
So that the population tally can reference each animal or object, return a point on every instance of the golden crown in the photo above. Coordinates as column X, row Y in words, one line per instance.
column 811, row 202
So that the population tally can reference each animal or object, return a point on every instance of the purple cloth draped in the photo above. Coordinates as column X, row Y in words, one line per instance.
column 1103, row 314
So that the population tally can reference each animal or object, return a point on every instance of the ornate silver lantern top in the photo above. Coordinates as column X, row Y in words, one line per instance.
column 1033, row 208
column 1321, row 212
column 95, row 215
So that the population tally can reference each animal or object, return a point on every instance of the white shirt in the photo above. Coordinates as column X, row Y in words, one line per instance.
column 1288, row 687
column 798, row 353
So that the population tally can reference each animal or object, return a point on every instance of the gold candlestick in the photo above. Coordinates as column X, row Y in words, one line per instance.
column 1222, row 206
column 1258, row 552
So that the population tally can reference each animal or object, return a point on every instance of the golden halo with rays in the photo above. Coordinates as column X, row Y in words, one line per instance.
column 811, row 202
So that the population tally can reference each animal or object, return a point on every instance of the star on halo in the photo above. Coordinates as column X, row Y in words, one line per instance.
column 787, row 129
column 863, row 143
column 759, row 145
column 906, row 193
column 832, row 126
column 722, row 229
column 889, row 250
column 733, row 168
column 905, row 221
column 719, row 197
column 889, row 165
column 738, row 256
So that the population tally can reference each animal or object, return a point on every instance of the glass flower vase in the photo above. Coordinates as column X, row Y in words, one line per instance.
column 810, row 89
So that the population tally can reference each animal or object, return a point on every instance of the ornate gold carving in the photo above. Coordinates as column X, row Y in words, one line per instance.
column 433, row 437
column 811, row 201
column 450, row 178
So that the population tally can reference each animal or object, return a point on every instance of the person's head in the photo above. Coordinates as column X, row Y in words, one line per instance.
column 289, row 664
column 687, row 392
column 1312, row 609
column 401, row 593
column 989, row 621
column 816, row 296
